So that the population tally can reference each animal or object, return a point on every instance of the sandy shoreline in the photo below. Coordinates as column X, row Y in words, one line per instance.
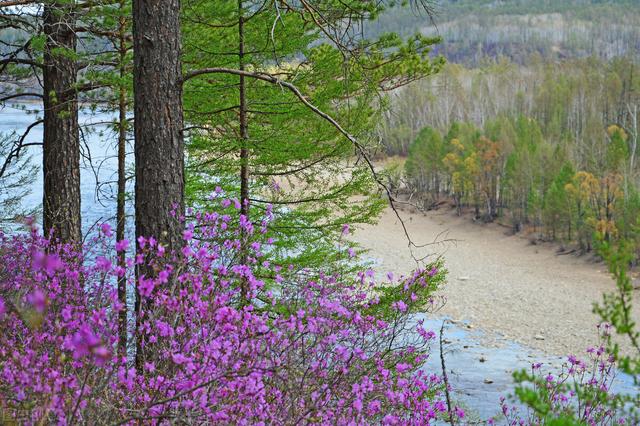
column 500, row 283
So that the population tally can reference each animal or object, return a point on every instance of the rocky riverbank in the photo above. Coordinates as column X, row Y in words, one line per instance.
column 499, row 282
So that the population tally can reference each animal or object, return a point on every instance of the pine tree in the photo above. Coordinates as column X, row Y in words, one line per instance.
column 558, row 210
column 258, row 93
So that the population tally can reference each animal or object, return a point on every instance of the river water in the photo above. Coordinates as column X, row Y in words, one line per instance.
column 479, row 375
column 98, row 159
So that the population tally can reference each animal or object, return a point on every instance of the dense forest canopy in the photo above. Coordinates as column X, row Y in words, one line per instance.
column 568, row 69
column 552, row 146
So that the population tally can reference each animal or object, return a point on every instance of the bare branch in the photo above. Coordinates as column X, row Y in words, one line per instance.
column 360, row 149
column 20, row 95
column 15, row 152
column 10, row 3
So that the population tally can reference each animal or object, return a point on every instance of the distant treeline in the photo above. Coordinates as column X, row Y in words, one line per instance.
column 560, row 29
column 552, row 146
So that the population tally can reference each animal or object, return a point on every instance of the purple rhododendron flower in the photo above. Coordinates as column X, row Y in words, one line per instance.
column 103, row 264
column 106, row 229
column 210, row 338
column 122, row 245
column 400, row 306
column 142, row 242
column 38, row 300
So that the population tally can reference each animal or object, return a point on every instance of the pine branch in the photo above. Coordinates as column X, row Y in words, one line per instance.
column 360, row 149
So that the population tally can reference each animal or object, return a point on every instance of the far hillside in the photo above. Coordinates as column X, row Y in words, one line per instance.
column 517, row 29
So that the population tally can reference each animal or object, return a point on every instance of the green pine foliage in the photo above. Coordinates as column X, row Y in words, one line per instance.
column 297, row 161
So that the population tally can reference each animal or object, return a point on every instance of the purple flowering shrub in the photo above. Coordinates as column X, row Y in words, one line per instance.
column 579, row 394
column 219, row 341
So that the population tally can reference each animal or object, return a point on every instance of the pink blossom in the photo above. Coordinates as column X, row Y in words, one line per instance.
column 142, row 242
column 145, row 286
column 213, row 355
column 179, row 358
column 38, row 300
column 103, row 264
column 122, row 245
column 106, row 229
column 400, row 306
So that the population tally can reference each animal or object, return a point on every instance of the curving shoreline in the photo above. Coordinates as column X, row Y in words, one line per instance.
column 500, row 283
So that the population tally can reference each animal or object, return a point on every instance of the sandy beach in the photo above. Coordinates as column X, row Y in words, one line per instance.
column 500, row 283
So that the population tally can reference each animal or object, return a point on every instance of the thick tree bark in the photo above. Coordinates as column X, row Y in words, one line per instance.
column 159, row 144
column 158, row 127
column 61, row 139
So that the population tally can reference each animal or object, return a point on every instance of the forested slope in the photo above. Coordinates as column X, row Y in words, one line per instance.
column 472, row 30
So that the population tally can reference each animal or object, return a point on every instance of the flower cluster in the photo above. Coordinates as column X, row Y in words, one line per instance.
column 580, row 393
column 216, row 336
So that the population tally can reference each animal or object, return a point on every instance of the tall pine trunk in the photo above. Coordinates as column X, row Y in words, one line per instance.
column 158, row 127
column 244, row 149
column 121, row 217
column 61, row 138
column 159, row 144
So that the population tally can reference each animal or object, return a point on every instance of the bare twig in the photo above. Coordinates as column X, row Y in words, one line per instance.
column 444, row 377
column 15, row 152
column 360, row 149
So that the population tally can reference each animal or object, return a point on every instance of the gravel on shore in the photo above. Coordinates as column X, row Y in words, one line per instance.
column 500, row 283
